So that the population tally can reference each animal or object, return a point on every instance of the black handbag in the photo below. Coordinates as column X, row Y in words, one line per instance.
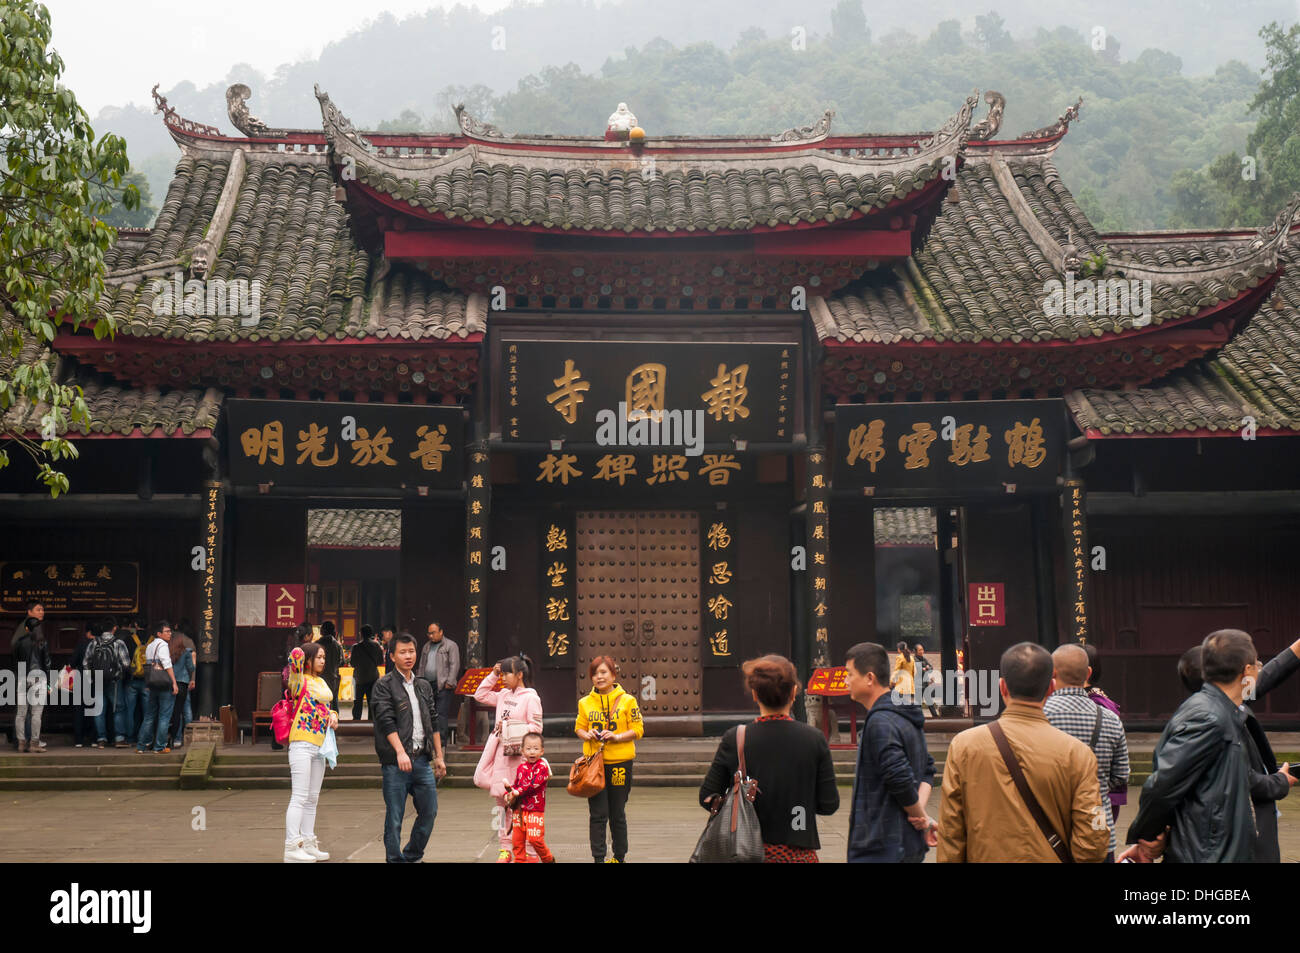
column 733, row 835
column 157, row 678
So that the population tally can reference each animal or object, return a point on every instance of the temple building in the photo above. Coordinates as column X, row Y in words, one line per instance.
column 678, row 400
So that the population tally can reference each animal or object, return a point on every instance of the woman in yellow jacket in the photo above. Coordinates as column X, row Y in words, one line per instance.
column 313, row 720
column 611, row 718
column 903, row 680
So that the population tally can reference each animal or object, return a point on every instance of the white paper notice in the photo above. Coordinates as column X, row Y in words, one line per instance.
column 250, row 605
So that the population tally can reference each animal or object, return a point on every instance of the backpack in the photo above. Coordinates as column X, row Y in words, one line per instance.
column 139, row 661
column 104, row 658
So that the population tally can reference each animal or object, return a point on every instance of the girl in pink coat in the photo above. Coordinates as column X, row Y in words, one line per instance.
column 507, row 689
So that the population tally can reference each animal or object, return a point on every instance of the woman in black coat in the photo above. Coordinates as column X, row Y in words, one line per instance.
column 790, row 761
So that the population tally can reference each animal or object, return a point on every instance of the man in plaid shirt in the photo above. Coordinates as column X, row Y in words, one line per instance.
column 1073, row 711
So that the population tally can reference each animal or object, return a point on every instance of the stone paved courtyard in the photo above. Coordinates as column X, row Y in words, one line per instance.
column 243, row 826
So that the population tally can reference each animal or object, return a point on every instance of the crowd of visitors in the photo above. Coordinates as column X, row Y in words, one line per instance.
column 108, row 678
column 1044, row 782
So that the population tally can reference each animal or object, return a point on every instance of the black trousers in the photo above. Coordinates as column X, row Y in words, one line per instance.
column 361, row 692
column 610, row 805
column 174, row 731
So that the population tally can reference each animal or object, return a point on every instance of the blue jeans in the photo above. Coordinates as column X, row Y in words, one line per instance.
column 158, row 704
column 420, row 784
column 129, row 690
column 107, row 716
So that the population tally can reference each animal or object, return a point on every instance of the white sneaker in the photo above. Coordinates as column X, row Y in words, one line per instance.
column 296, row 853
column 312, row 846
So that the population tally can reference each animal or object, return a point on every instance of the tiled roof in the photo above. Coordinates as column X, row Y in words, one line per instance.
column 122, row 410
column 690, row 197
column 981, row 273
column 355, row 529
column 285, row 230
column 616, row 189
column 904, row 526
column 1257, row 374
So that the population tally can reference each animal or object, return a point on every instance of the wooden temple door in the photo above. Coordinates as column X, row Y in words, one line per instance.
column 639, row 601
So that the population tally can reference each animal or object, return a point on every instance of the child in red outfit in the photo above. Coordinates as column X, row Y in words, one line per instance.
column 528, row 798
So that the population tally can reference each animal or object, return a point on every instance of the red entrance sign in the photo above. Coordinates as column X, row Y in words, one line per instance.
column 469, row 682
column 828, row 681
column 988, row 603
column 286, row 605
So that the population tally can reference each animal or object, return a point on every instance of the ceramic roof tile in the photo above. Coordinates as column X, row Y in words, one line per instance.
column 904, row 526
column 981, row 275
column 355, row 529
column 1257, row 374
column 288, row 249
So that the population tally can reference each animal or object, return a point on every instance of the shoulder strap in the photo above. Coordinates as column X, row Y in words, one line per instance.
column 1035, row 809
column 1096, row 731
column 740, row 750
column 738, row 786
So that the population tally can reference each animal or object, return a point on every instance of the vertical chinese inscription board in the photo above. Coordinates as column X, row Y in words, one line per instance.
column 976, row 445
column 718, row 568
column 327, row 444
column 1076, row 541
column 819, row 542
column 557, row 585
column 478, row 499
column 214, row 505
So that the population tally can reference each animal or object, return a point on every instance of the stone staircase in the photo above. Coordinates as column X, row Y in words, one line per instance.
column 661, row 762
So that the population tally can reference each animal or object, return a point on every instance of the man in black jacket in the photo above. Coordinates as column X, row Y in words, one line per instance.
column 1268, row 783
column 31, row 655
column 366, row 658
column 406, row 733
column 895, row 771
column 1199, row 787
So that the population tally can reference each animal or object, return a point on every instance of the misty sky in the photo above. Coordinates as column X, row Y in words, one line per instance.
column 114, row 59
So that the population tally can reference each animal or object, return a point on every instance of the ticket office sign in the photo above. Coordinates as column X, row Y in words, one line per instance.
column 72, row 586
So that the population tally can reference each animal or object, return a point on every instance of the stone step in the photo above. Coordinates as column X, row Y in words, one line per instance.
column 122, row 770
column 87, row 782
column 35, row 761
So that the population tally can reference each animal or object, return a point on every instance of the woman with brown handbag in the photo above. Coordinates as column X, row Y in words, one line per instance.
column 609, row 721
column 790, row 761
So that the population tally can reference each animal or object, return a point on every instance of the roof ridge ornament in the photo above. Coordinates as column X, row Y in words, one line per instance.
column 1277, row 232
column 813, row 133
column 474, row 127
column 1264, row 249
column 237, row 96
column 1059, row 127
column 332, row 117
column 988, row 127
column 956, row 128
column 621, row 120
column 177, row 122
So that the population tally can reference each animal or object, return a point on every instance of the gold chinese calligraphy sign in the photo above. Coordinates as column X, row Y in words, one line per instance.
column 993, row 446
column 328, row 444
column 557, row 589
column 720, row 599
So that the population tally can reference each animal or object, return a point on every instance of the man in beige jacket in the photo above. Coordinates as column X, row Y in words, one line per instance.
column 983, row 818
